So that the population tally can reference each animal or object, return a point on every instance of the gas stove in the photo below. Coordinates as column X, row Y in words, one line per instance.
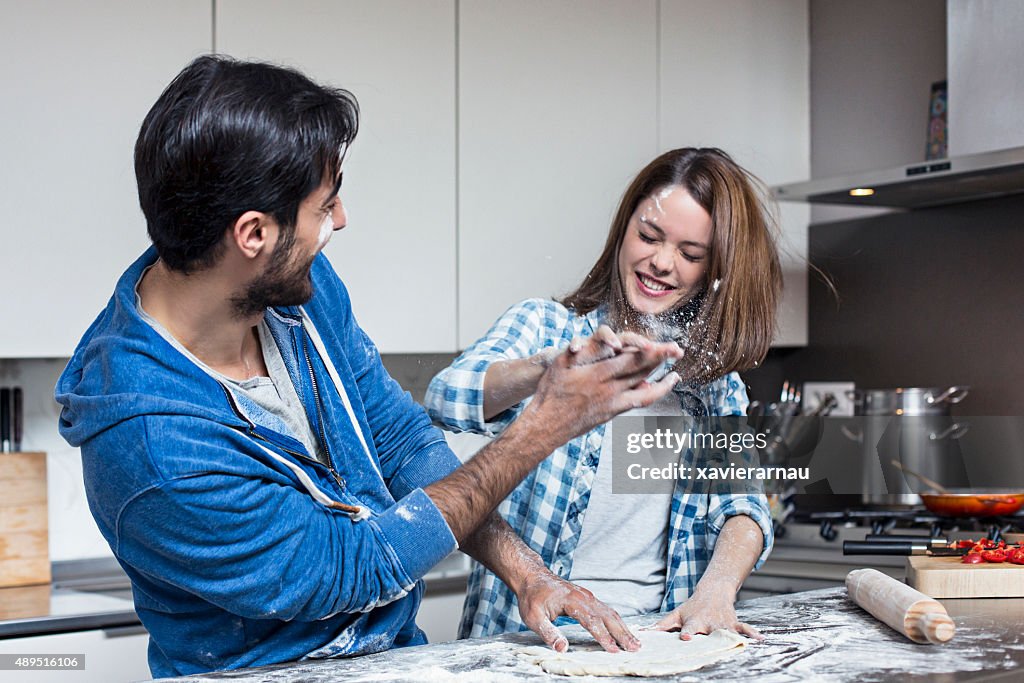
column 808, row 552
column 904, row 521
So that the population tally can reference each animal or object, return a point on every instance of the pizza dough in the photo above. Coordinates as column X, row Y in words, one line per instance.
column 662, row 653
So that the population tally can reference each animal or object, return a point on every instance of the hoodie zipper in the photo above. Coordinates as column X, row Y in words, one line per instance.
column 256, row 435
column 316, row 399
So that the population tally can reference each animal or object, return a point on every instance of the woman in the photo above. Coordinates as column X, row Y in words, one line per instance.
column 691, row 256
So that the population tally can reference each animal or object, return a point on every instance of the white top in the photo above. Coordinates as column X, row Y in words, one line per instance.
column 621, row 553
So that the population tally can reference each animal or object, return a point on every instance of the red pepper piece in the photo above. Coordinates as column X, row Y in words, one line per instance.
column 973, row 558
column 994, row 556
column 965, row 544
column 1016, row 556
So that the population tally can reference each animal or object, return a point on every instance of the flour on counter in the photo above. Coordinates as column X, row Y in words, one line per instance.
column 436, row 674
column 805, row 632
column 819, row 636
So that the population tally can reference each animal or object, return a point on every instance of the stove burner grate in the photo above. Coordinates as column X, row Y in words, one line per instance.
column 883, row 521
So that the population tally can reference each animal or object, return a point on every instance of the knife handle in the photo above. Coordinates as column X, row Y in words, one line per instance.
column 17, row 418
column 5, row 419
column 878, row 548
column 907, row 538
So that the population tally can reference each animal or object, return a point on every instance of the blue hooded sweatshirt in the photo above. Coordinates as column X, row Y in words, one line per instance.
column 243, row 549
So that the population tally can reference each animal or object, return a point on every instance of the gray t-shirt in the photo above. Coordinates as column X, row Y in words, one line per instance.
column 275, row 394
column 622, row 553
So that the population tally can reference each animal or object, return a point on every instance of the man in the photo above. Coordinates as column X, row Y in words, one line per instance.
column 268, row 488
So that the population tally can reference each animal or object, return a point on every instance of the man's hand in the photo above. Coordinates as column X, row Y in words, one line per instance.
column 508, row 382
column 606, row 343
column 582, row 389
column 544, row 597
column 705, row 612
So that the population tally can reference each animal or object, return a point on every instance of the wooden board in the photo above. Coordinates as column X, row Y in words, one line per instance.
column 948, row 577
column 24, row 602
column 24, row 537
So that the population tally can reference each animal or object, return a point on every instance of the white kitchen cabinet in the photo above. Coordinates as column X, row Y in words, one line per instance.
column 397, row 255
column 735, row 75
column 116, row 655
column 439, row 615
column 77, row 78
column 560, row 104
column 496, row 139
column 557, row 111
column 986, row 75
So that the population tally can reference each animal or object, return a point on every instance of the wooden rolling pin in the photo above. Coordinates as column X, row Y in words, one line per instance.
column 910, row 612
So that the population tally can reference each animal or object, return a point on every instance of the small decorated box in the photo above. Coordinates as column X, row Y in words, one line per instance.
column 937, row 140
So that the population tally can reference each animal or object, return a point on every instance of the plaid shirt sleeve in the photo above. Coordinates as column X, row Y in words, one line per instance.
column 727, row 397
column 455, row 397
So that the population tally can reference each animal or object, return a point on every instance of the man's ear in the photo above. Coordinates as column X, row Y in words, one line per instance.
column 253, row 233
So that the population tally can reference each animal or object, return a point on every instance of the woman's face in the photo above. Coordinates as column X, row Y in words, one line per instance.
column 663, row 257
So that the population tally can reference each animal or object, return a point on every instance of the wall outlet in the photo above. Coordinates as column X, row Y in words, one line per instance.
column 814, row 392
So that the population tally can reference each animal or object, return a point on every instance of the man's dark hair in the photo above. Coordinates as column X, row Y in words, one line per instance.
column 227, row 137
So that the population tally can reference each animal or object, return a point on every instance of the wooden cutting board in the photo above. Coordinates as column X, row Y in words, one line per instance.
column 24, row 547
column 948, row 577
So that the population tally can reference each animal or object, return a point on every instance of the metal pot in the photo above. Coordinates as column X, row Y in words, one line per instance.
column 910, row 401
column 911, row 425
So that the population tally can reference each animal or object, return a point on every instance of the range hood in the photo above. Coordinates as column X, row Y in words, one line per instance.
column 932, row 183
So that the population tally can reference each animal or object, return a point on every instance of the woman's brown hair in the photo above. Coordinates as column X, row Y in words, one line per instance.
column 729, row 324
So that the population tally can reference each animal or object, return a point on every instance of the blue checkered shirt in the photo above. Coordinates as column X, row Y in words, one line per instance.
column 547, row 509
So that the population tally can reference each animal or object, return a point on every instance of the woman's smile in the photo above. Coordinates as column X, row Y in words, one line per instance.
column 653, row 287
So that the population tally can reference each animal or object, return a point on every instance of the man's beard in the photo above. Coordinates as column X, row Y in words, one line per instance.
column 283, row 283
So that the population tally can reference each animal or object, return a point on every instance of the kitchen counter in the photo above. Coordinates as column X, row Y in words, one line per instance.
column 814, row 635
column 96, row 594
column 40, row 610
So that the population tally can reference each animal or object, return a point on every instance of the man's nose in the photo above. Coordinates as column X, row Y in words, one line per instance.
column 339, row 216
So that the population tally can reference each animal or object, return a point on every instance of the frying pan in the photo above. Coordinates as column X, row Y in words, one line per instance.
column 974, row 502
column 966, row 502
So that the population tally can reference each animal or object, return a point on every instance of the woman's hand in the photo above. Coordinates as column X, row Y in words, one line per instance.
column 705, row 612
column 711, row 605
column 604, row 343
